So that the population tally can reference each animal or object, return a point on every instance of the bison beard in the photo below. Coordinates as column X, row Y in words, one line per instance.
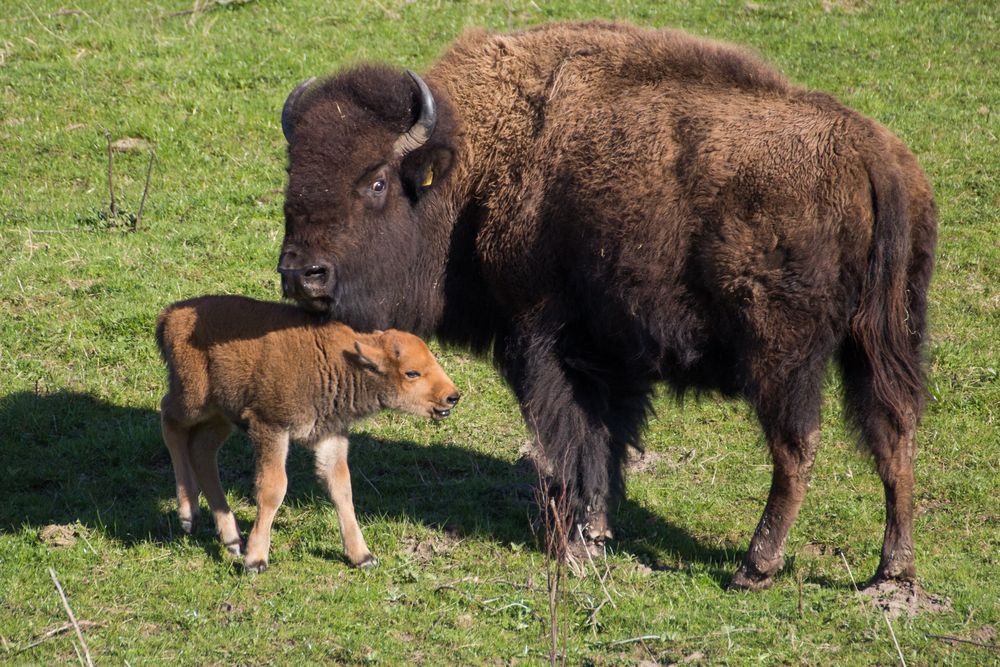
column 608, row 208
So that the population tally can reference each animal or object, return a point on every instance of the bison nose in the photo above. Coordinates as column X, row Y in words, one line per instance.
column 315, row 277
column 309, row 282
column 452, row 400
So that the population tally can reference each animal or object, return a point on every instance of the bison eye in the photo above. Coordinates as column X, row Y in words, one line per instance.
column 378, row 186
column 412, row 374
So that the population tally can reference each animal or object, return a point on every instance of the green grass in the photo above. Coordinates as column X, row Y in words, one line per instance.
column 462, row 577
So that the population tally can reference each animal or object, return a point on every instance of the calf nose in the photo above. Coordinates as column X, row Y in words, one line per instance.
column 453, row 399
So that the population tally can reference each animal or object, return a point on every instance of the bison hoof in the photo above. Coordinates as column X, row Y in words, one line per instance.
column 880, row 579
column 894, row 571
column 583, row 550
column 255, row 566
column 747, row 578
column 367, row 563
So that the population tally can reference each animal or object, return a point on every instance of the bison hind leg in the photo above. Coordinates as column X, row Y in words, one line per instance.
column 788, row 407
column 891, row 440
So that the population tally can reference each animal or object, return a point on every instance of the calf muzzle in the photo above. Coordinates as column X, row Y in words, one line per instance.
column 441, row 413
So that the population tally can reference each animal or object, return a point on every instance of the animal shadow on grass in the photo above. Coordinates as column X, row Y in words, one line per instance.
column 68, row 457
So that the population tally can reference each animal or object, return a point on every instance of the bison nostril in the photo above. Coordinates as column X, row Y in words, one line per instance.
column 452, row 400
column 309, row 282
column 314, row 275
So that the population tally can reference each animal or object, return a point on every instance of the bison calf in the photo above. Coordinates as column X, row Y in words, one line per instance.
column 281, row 374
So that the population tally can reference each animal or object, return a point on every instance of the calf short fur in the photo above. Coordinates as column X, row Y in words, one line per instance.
column 281, row 374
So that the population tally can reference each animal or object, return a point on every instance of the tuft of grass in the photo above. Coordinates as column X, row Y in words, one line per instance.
column 444, row 506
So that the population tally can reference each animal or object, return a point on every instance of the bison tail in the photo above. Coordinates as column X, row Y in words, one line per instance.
column 883, row 359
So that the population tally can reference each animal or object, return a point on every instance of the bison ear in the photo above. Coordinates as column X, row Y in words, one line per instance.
column 424, row 170
column 368, row 357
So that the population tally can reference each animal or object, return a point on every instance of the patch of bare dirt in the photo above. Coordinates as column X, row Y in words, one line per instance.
column 423, row 551
column 985, row 635
column 931, row 505
column 896, row 598
column 643, row 461
column 819, row 549
column 129, row 145
column 845, row 6
column 58, row 536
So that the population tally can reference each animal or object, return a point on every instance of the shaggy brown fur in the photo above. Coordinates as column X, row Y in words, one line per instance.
column 612, row 207
column 281, row 374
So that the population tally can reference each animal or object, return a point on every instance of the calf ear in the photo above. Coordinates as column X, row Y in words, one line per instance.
column 368, row 357
column 393, row 339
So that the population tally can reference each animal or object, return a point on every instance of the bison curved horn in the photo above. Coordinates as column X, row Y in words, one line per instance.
column 420, row 132
column 286, row 111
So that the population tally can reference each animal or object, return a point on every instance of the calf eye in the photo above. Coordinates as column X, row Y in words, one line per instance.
column 378, row 186
column 412, row 374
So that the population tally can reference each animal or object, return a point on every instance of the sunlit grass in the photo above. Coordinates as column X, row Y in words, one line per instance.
column 444, row 506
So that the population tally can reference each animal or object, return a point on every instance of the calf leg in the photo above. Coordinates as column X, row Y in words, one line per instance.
column 272, row 483
column 206, row 441
column 176, row 438
column 331, row 468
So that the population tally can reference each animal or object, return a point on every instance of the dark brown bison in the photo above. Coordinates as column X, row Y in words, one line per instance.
column 609, row 207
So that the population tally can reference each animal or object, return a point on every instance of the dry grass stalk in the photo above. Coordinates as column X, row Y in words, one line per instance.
column 557, row 516
column 899, row 651
column 145, row 191
column 72, row 618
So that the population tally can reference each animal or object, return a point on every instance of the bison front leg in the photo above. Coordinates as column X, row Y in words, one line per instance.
column 582, row 422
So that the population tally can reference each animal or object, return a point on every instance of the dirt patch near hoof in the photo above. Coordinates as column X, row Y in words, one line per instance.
column 896, row 598
column 643, row 461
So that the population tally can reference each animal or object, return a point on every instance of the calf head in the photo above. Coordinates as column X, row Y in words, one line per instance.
column 411, row 379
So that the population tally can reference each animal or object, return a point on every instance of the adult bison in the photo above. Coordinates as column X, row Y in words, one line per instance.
column 609, row 207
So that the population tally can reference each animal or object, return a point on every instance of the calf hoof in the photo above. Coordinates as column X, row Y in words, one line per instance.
column 747, row 578
column 188, row 524
column 367, row 563
column 235, row 548
column 255, row 566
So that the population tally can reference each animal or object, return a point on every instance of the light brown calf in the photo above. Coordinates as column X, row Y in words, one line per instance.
column 281, row 374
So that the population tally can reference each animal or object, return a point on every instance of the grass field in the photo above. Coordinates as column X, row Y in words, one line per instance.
column 444, row 506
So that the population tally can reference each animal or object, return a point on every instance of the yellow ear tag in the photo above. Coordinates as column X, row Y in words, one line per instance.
column 428, row 178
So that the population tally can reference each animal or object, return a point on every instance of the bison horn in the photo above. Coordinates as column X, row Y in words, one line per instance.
column 286, row 111
column 417, row 136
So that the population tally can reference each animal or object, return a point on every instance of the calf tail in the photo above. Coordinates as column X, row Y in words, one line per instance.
column 161, row 339
column 887, row 329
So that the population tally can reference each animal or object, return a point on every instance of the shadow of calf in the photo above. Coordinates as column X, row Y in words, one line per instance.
column 70, row 457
